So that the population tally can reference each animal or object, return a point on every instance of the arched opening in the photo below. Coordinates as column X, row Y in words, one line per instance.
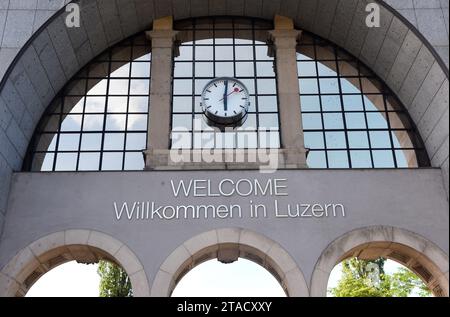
column 381, row 277
column 242, row 278
column 229, row 245
column 70, row 279
column 54, row 250
column 417, row 254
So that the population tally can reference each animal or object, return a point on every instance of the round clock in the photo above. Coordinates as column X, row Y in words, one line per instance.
column 225, row 102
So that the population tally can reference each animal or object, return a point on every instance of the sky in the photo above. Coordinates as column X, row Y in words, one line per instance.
column 239, row 279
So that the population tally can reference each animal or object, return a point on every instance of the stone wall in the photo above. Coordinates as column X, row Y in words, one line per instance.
column 395, row 53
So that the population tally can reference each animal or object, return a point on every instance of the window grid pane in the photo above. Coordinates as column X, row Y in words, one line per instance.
column 224, row 48
column 99, row 120
column 348, row 117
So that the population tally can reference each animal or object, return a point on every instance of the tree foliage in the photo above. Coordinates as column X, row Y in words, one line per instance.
column 114, row 281
column 362, row 278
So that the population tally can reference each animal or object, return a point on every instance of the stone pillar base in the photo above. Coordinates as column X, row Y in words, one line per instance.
column 224, row 159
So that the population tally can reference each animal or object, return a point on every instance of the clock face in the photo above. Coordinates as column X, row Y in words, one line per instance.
column 225, row 102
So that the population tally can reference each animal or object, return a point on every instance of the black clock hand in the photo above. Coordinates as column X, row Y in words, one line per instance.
column 225, row 96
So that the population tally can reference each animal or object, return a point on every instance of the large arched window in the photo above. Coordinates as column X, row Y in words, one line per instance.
column 224, row 47
column 350, row 118
column 99, row 120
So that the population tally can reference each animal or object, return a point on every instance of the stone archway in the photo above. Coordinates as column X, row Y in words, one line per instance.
column 228, row 245
column 85, row 246
column 409, row 249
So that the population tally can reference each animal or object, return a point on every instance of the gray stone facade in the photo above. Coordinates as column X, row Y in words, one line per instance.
column 414, row 67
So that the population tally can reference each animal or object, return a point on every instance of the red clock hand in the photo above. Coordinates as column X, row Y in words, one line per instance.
column 235, row 90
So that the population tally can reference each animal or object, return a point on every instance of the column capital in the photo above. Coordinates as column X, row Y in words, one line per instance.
column 162, row 38
column 285, row 39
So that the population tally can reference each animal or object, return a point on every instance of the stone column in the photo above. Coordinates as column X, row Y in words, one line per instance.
column 162, row 37
column 284, row 38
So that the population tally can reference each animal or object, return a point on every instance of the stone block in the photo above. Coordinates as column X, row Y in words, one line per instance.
column 16, row 32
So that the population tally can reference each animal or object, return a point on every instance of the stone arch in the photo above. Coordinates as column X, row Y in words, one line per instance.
column 396, row 52
column 227, row 245
column 420, row 255
column 85, row 246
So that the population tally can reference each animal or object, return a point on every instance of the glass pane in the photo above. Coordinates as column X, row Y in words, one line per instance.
column 244, row 69
column 182, row 87
column 183, row 70
column 69, row 142
column 224, row 69
column 244, row 53
column 204, row 69
column 308, row 86
column 329, row 86
column 224, row 53
column 306, row 69
column 268, row 121
column 358, row 140
column 331, row 103
column 268, row 104
column 355, row 120
column 118, row 86
column 117, row 104
column 114, row 141
column 89, row 162
column 138, row 104
column 66, row 162
column 70, row 123
column 91, row 142
column 140, row 70
column 136, row 141
column 262, row 53
column 350, row 86
column 333, row 121
column 265, row 69
column 182, row 104
column 317, row 159
column 115, row 122
column 335, row 140
column 95, row 104
column 134, row 161
column 312, row 121
column 120, row 70
column 338, row 159
column 361, row 159
column 98, row 87
column 269, row 140
column 314, row 140
column 376, row 120
column 137, row 122
column 267, row 86
column 327, row 69
column 383, row 159
column 310, row 103
column 182, row 122
column 112, row 161
column 93, row 122
column 203, row 53
column 353, row 102
column 139, row 87
column 380, row 139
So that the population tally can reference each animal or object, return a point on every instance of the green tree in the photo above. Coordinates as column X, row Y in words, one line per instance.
column 114, row 281
column 362, row 278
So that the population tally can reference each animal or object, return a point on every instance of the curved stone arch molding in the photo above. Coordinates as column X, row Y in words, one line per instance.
column 383, row 240
column 68, row 50
column 60, row 247
column 250, row 245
